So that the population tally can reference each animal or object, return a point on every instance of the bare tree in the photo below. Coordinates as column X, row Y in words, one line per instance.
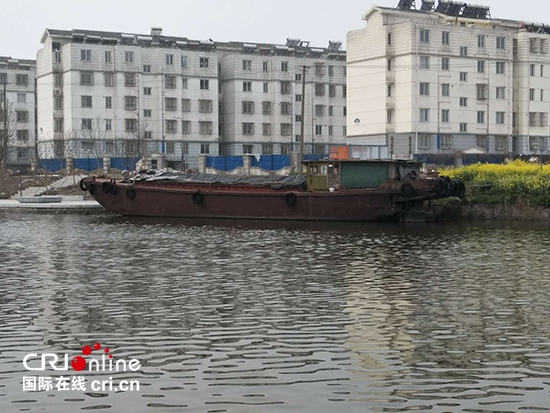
column 138, row 142
column 96, row 136
column 8, row 129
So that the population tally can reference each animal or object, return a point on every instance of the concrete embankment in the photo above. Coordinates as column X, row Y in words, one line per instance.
column 473, row 211
column 65, row 206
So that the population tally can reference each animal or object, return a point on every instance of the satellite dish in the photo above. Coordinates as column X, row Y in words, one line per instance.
column 357, row 121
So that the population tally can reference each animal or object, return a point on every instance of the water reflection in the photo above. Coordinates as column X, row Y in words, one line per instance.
column 247, row 316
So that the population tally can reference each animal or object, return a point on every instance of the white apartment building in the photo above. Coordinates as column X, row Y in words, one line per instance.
column 17, row 91
column 109, row 94
column 261, row 95
column 446, row 79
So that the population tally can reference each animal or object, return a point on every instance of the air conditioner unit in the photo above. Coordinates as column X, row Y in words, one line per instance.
column 58, row 93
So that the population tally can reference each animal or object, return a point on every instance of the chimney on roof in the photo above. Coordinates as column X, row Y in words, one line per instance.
column 156, row 31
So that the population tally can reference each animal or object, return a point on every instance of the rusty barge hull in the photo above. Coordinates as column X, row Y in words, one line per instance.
column 192, row 201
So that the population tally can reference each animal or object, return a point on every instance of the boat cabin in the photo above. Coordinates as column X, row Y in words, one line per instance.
column 335, row 174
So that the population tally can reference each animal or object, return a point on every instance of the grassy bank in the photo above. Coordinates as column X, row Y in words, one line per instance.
column 515, row 182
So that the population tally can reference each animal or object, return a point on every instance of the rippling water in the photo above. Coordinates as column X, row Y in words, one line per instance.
column 319, row 318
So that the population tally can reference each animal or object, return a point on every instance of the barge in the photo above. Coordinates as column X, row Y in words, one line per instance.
column 330, row 190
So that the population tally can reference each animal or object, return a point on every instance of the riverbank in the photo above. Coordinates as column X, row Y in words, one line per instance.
column 516, row 190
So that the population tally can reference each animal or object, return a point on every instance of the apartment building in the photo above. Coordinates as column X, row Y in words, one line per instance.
column 125, row 95
column 17, row 105
column 447, row 78
column 261, row 96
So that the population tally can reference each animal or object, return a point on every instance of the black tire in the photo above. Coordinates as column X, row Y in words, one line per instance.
column 291, row 199
column 407, row 190
column 198, row 198
column 106, row 187
column 131, row 193
column 83, row 185
column 459, row 188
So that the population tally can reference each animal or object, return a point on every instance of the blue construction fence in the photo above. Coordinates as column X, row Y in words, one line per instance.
column 265, row 162
column 88, row 164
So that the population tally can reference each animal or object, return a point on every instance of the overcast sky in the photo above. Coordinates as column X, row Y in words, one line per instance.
column 22, row 23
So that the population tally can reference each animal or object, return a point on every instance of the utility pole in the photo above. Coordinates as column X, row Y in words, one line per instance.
column 5, row 139
column 302, row 125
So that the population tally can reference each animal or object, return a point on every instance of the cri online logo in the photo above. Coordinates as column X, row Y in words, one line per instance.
column 78, row 363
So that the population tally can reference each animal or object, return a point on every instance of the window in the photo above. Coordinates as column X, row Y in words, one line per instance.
column 148, row 91
column 170, row 147
column 424, row 36
column 463, row 127
column 58, row 80
column 186, row 105
column 531, row 94
column 109, row 79
column 463, row 51
column 541, row 70
column 481, row 40
column 480, row 116
column 171, row 104
column 542, row 95
column 267, row 149
column 86, row 124
column 331, row 110
column 463, row 102
column 424, row 115
column 206, row 106
column 501, row 68
column 205, row 147
column 85, row 101
column 345, row 111
column 298, row 98
column 58, row 125
column 247, row 65
column 286, row 108
column 500, row 143
column 445, row 37
column 424, row 89
column 266, row 108
column 298, row 77
column 130, row 102
column 445, row 141
column 248, row 107
column 318, row 130
column 21, row 98
column 204, row 84
column 247, row 86
column 423, row 141
column 331, row 71
column 501, row 92
column 131, row 147
column 3, row 78
column 286, row 129
column 445, row 63
column 171, row 126
column 265, row 67
column 445, row 115
column 21, row 80
column 482, row 91
column 58, row 102
column 389, row 90
column 501, row 42
column 319, row 89
column 58, row 148
column 108, row 102
column 284, row 66
column 481, row 141
column 388, row 66
column 285, row 88
column 266, row 129
column 248, row 128
column 319, row 110
column 285, row 149
column 331, row 91
column 533, row 119
column 424, row 62
column 481, row 66
column 22, row 116
column 23, row 135
column 319, row 69
column 532, row 70
column 331, row 130
column 87, row 78
column 146, row 68
column 129, row 80
column 186, row 126
column 389, row 38
column 463, row 76
column 500, row 118
column 170, row 82
column 147, row 113
column 85, row 55
column 298, row 118
column 184, row 62
column 57, row 56
column 169, row 60
column 129, row 57
column 130, row 125
column 185, row 83
column 203, row 62
column 266, row 87
column 445, row 89
column 107, row 56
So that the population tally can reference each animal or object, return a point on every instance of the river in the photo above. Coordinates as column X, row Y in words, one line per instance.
column 242, row 317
